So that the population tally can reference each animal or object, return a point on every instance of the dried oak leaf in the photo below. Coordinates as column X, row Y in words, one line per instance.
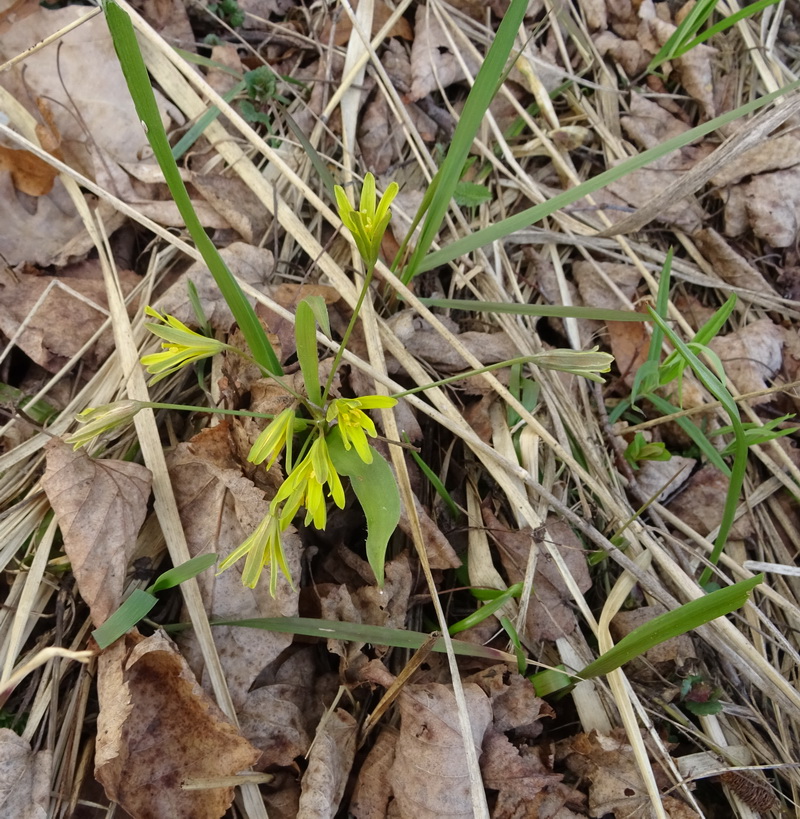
column 329, row 765
column 728, row 264
column 30, row 174
column 100, row 505
column 24, row 778
column 219, row 508
column 431, row 741
column 549, row 613
column 157, row 728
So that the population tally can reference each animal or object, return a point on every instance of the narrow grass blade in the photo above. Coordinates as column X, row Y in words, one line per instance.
column 360, row 633
column 526, row 218
column 487, row 609
column 555, row 310
column 480, row 96
column 435, row 482
column 137, row 606
column 138, row 81
column 719, row 391
column 305, row 331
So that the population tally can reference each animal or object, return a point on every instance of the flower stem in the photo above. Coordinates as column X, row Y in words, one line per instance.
column 340, row 352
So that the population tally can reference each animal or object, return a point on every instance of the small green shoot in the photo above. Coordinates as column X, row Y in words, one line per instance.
column 140, row 603
column 640, row 449
column 228, row 11
column 434, row 480
column 700, row 698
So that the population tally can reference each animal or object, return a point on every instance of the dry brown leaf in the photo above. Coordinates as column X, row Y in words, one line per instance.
column 219, row 509
column 235, row 203
column 372, row 791
column 727, row 263
column 65, row 319
column 24, row 778
column 157, row 728
column 429, row 776
column 30, row 174
column 100, row 505
column 280, row 716
column 769, row 204
column 433, row 64
column 342, row 27
column 379, row 138
column 88, row 115
column 253, row 265
column 661, row 479
column 170, row 20
column 549, row 613
column 525, row 786
column 43, row 231
column 776, row 154
column 700, row 504
column 329, row 765
column 751, row 356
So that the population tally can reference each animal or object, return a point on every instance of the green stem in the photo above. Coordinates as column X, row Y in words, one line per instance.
column 340, row 352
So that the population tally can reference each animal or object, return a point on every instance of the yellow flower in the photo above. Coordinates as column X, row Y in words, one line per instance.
column 368, row 223
column 354, row 424
column 181, row 346
column 305, row 486
column 98, row 420
column 271, row 442
column 262, row 548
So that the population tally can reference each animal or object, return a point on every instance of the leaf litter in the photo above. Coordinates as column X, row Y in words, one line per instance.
column 300, row 706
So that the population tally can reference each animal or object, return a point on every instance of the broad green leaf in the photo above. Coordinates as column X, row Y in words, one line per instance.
column 470, row 194
column 305, row 332
column 137, row 606
column 376, row 489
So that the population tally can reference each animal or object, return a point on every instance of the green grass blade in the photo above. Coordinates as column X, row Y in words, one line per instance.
column 526, row 218
column 486, row 610
column 719, row 391
column 727, row 22
column 672, row 624
column 185, row 571
column 138, row 81
column 305, row 331
column 554, row 310
column 196, row 131
column 360, row 633
column 434, row 480
column 480, row 96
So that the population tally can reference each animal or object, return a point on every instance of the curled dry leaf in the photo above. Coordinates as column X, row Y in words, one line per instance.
column 24, row 778
column 157, row 729
column 329, row 765
column 429, row 776
column 100, row 505
column 219, row 509
column 29, row 174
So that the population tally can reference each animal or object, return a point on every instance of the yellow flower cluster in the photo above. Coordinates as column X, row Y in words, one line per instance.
column 309, row 483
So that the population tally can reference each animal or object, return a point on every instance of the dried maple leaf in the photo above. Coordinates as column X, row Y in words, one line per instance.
column 157, row 728
column 100, row 505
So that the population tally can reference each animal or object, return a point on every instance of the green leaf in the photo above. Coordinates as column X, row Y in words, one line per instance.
column 487, row 609
column 178, row 574
column 376, row 489
column 138, row 81
column 137, row 606
column 305, row 332
column 554, row 310
column 470, row 195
